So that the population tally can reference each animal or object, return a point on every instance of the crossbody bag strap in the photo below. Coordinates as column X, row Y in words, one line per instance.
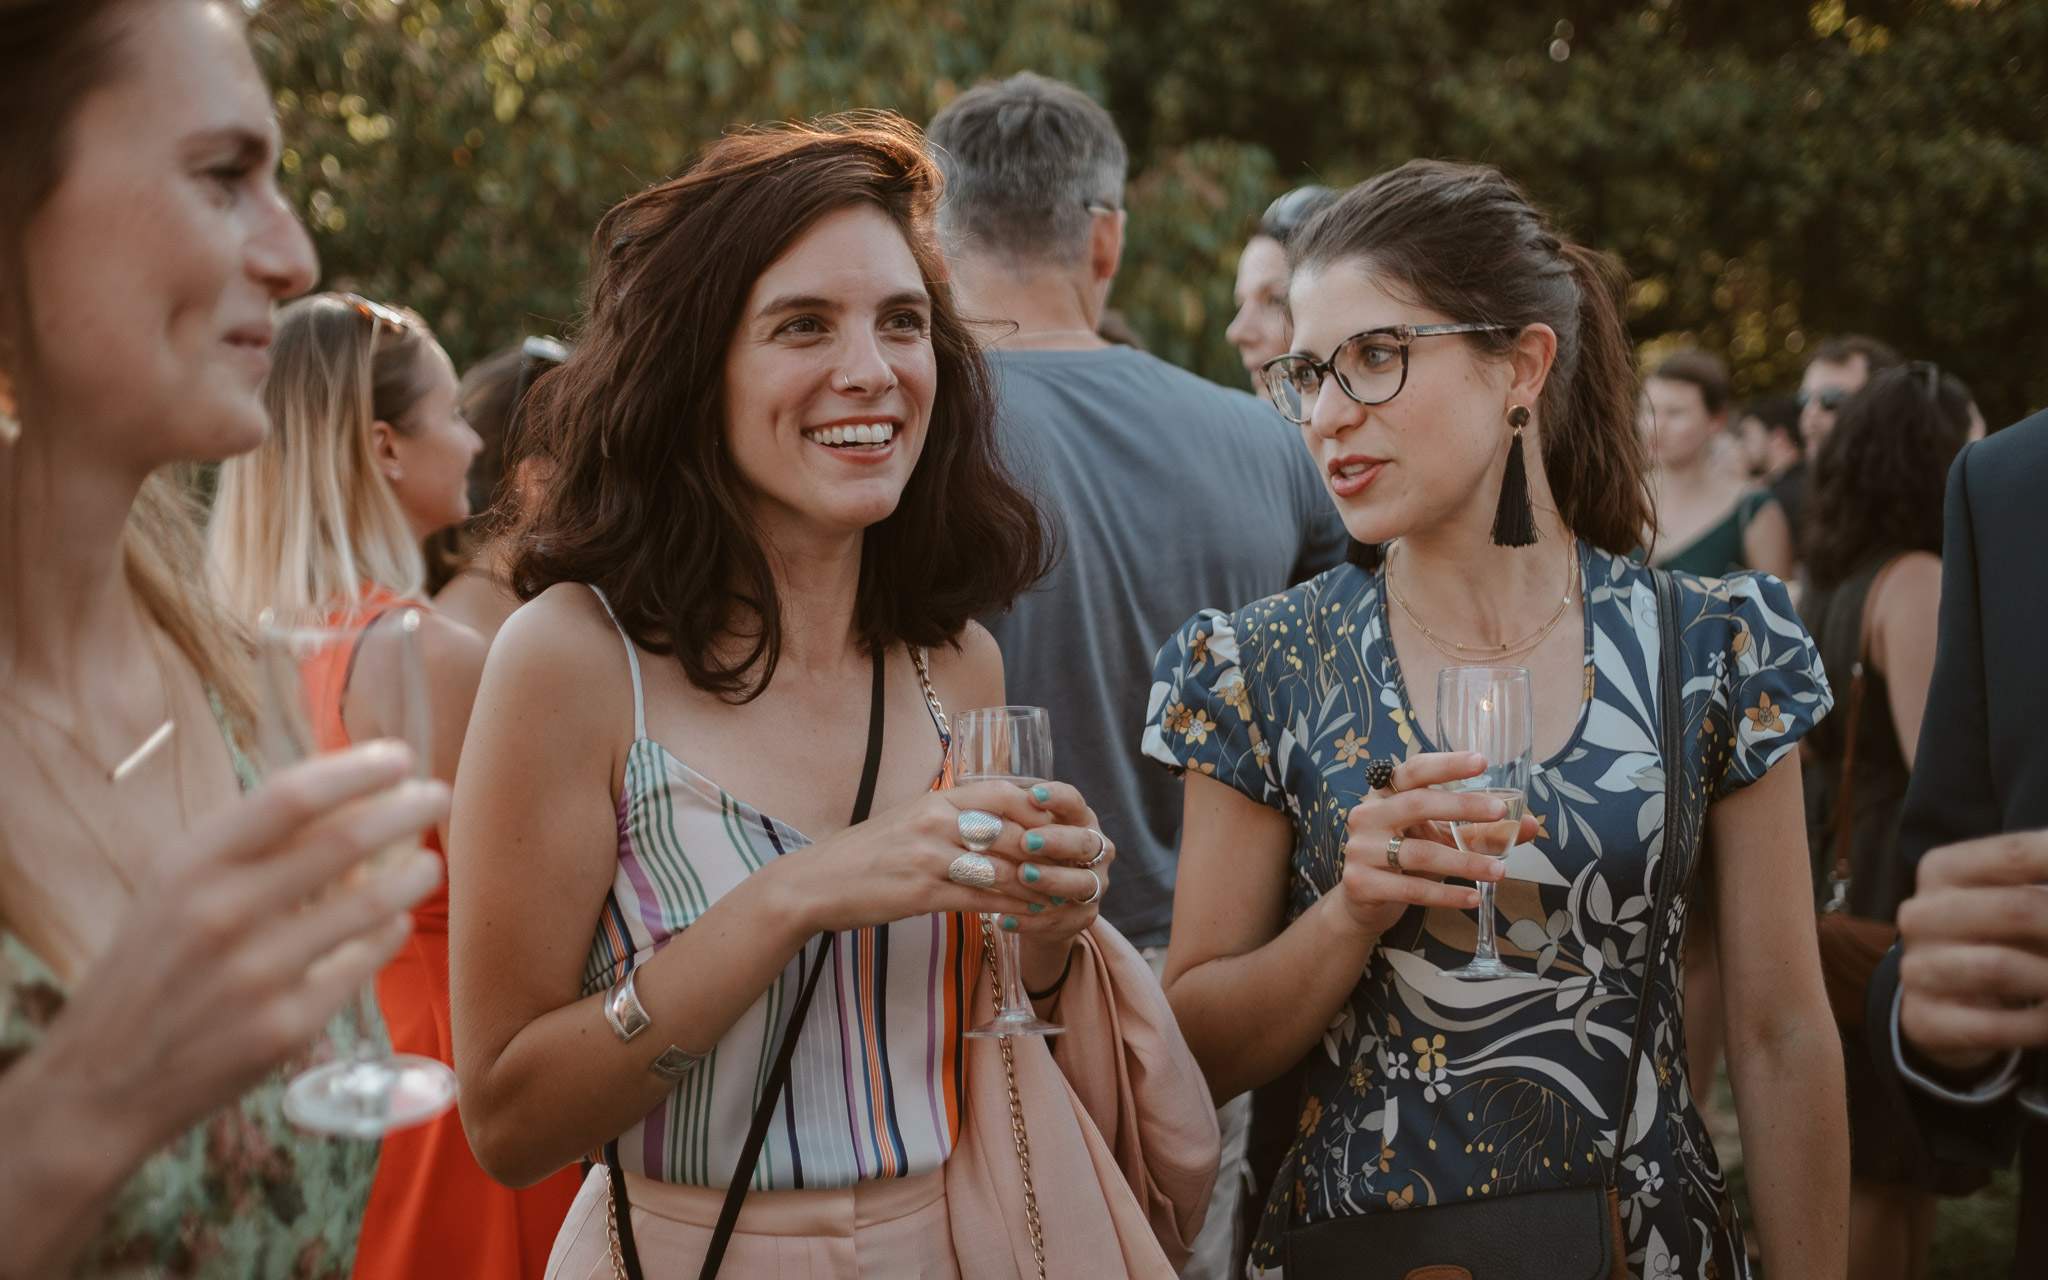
column 778, row 1076
column 1671, row 732
column 1844, row 820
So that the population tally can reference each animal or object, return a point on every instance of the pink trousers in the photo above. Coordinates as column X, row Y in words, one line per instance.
column 893, row 1227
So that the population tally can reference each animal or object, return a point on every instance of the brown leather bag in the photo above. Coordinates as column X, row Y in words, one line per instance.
column 1851, row 946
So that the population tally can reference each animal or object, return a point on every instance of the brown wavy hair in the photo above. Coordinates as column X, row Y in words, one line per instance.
column 646, row 503
column 1464, row 240
column 1878, row 480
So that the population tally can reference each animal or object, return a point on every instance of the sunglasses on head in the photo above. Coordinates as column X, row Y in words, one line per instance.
column 376, row 312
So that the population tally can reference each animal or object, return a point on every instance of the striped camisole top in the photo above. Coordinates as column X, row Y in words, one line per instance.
column 875, row 1088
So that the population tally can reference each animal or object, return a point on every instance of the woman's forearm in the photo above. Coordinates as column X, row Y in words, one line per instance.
column 564, row 1083
column 65, row 1156
column 1795, row 1143
column 1248, row 1018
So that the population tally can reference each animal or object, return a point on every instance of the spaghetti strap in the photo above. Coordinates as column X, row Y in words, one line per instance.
column 633, row 660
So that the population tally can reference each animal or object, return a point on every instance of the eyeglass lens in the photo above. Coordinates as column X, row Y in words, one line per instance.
column 1370, row 366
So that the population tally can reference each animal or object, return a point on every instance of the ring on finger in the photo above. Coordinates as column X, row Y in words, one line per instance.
column 973, row 870
column 1379, row 775
column 1098, row 889
column 1101, row 848
column 978, row 830
column 1394, row 854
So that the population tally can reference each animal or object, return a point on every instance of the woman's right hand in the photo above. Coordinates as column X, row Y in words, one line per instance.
column 241, row 945
column 893, row 866
column 1373, row 892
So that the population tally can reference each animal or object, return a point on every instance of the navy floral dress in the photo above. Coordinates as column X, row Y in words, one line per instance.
column 1430, row 1090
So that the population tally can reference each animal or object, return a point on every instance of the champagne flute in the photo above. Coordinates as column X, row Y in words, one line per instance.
column 1489, row 710
column 316, row 683
column 1006, row 744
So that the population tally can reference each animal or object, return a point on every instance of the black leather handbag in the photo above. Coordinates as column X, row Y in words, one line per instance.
column 1564, row 1233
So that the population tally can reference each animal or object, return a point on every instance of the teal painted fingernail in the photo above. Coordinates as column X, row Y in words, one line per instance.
column 1037, row 907
column 1010, row 922
column 1032, row 874
column 1041, row 793
column 1059, row 902
column 1033, row 842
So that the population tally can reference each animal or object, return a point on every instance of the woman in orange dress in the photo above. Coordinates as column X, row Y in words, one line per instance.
column 368, row 454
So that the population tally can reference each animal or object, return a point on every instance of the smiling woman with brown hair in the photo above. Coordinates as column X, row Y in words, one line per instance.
column 776, row 508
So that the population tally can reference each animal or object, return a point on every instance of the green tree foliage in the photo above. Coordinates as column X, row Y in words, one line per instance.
column 1769, row 173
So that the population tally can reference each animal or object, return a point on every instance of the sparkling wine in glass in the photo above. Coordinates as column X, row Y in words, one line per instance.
column 1006, row 744
column 1490, row 710
column 321, row 688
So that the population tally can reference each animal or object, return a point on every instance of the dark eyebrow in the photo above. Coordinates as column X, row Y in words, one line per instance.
column 810, row 302
column 245, row 146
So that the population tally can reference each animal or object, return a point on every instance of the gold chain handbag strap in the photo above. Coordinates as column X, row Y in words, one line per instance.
column 931, row 695
column 1017, row 1134
column 611, row 1227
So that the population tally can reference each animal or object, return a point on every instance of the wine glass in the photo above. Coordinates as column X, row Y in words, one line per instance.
column 1492, row 711
column 320, row 688
column 1006, row 744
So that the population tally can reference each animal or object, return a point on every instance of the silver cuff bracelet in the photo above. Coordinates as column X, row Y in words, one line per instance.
column 622, row 1009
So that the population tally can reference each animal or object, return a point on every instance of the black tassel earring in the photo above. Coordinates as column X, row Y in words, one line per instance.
column 1514, row 521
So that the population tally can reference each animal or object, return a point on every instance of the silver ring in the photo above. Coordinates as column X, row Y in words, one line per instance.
column 973, row 870
column 1101, row 848
column 1098, row 889
column 1394, row 854
column 978, row 830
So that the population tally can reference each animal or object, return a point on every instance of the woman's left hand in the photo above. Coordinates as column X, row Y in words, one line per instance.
column 1063, row 870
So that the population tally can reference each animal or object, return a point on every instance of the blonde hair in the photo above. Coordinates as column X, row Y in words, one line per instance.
column 307, row 522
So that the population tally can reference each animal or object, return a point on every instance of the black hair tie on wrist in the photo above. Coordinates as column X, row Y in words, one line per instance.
column 1054, row 989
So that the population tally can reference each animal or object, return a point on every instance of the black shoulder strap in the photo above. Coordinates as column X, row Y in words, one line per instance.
column 1671, row 732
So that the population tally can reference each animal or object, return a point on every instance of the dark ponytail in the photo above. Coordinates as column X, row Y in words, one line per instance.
column 1463, row 240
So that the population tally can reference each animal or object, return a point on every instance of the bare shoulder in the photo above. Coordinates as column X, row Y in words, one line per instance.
column 561, row 652
column 450, row 649
column 969, row 673
column 1911, row 594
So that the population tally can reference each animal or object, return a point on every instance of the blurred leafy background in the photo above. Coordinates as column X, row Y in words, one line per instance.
column 1770, row 172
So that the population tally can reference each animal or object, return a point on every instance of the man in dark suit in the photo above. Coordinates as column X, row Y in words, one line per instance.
column 1959, row 1011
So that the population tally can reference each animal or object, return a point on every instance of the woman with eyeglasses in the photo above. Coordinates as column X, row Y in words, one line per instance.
column 1259, row 330
column 1873, row 554
column 469, row 566
column 1462, row 376
column 175, row 934
column 321, row 525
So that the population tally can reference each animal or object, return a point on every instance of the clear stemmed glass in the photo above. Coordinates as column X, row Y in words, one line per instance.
column 1006, row 744
column 321, row 688
column 1489, row 710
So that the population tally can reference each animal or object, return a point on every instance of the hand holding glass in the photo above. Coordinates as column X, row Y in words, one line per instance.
column 317, row 684
column 1489, row 710
column 1006, row 744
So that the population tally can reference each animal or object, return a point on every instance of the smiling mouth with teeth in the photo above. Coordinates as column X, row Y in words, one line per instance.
column 859, row 435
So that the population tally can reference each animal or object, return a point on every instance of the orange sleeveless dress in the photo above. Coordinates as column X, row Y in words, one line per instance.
column 434, row 1214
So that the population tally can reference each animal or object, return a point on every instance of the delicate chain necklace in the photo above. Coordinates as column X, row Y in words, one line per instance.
column 127, row 765
column 1457, row 652
column 134, row 759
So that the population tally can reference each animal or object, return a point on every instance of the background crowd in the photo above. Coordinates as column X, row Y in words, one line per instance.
column 402, row 454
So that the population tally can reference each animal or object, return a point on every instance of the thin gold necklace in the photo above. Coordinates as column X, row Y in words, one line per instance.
column 54, row 786
column 1470, row 652
column 129, row 763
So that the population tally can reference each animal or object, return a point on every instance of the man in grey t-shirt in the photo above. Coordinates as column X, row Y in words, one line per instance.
column 1168, row 493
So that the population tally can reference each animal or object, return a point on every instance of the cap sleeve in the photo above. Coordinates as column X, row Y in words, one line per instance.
column 1200, row 716
column 1772, row 677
